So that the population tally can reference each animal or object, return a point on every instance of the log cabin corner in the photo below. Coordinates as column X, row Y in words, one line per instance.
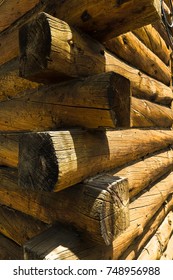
column 86, row 139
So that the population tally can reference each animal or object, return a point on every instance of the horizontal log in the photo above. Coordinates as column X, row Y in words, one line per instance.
column 138, row 244
column 142, row 173
column 9, row 38
column 129, row 48
column 42, row 248
column 11, row 84
column 9, row 149
column 160, row 27
column 167, row 254
column 154, row 248
column 52, row 161
column 81, row 56
column 94, row 17
column 18, row 226
column 13, row 10
column 98, row 208
column 147, row 114
column 153, row 40
column 98, row 101
column 9, row 250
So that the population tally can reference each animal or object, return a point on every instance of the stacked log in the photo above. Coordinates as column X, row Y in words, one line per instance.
column 156, row 194
column 84, row 179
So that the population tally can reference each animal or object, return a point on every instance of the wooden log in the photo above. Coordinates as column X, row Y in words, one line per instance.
column 154, row 248
column 9, row 149
column 9, row 250
column 160, row 27
column 52, row 161
column 167, row 254
column 81, row 56
column 153, row 40
column 9, row 38
column 142, row 173
column 50, row 246
column 18, row 226
column 11, row 84
column 98, row 208
column 98, row 101
column 13, row 10
column 129, row 48
column 94, row 17
column 55, row 206
column 138, row 244
column 147, row 114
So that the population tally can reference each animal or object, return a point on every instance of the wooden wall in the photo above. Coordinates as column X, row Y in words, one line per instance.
column 86, row 140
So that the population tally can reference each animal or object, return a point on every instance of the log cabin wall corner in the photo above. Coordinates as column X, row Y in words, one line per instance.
column 86, row 133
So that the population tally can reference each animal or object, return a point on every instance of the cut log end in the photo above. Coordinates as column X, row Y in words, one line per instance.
column 41, row 171
column 114, row 206
column 29, row 37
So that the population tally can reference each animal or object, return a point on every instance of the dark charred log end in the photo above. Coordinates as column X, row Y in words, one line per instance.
column 38, row 166
column 35, row 46
column 86, row 16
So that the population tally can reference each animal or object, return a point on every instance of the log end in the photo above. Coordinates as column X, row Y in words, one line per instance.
column 37, row 169
column 35, row 47
column 113, row 209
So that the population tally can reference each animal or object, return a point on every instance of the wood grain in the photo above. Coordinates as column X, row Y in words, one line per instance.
column 52, row 161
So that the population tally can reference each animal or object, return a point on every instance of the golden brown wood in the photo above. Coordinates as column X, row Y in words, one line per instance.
column 9, row 148
column 81, row 56
column 147, row 114
column 42, row 248
column 129, row 48
column 18, row 226
column 98, row 101
column 9, row 250
column 168, row 254
column 153, row 40
column 12, row 10
column 11, row 85
column 160, row 27
column 138, row 244
column 142, row 173
column 154, row 248
column 105, row 20
column 98, row 208
column 55, row 160
column 9, row 37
